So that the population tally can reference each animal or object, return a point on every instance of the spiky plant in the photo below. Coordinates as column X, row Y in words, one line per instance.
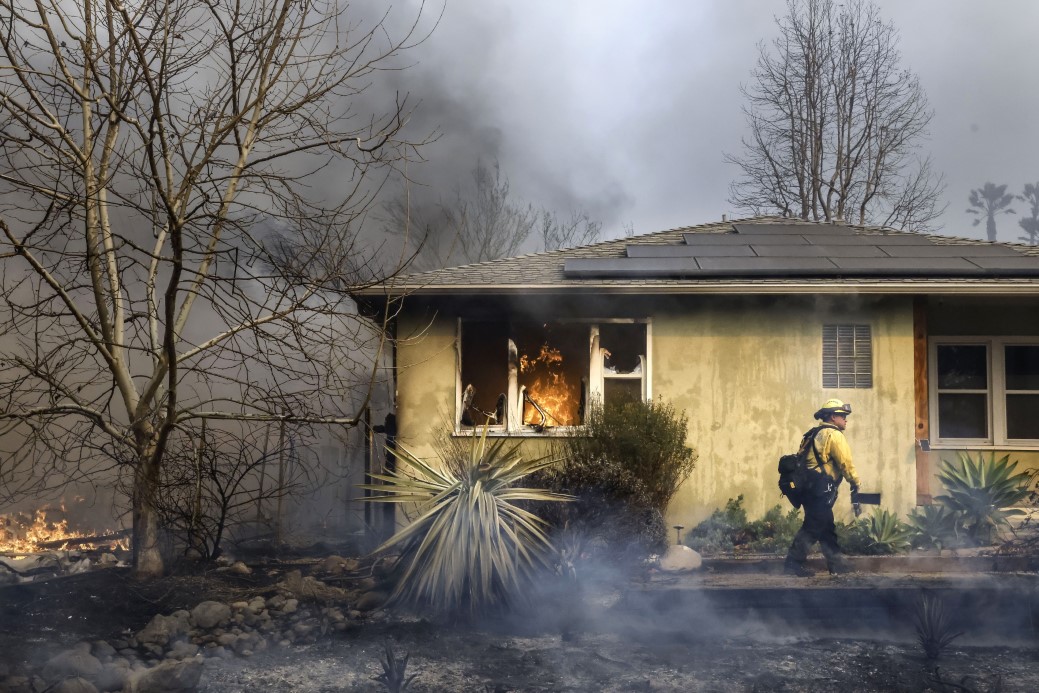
column 886, row 534
column 981, row 492
column 471, row 547
column 933, row 527
column 394, row 672
column 935, row 626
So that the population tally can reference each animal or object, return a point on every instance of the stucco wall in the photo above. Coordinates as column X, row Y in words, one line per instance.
column 747, row 371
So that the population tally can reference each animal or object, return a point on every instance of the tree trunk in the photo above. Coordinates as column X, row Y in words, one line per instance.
column 147, row 559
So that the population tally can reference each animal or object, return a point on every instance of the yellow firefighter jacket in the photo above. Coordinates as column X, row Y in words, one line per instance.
column 835, row 454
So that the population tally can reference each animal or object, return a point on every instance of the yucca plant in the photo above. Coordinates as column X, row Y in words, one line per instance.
column 471, row 547
column 933, row 527
column 886, row 534
column 935, row 627
column 981, row 492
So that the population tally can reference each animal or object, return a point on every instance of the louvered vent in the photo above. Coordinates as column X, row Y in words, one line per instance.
column 847, row 356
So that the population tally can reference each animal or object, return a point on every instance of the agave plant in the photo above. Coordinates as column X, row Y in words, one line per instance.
column 886, row 534
column 471, row 546
column 933, row 527
column 935, row 627
column 982, row 492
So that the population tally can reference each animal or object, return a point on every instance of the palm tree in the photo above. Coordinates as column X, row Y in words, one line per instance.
column 988, row 202
column 1030, row 224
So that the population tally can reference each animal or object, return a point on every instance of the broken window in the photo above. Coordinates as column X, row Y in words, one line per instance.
column 523, row 375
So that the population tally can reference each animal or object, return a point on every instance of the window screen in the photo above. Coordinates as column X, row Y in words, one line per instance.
column 847, row 356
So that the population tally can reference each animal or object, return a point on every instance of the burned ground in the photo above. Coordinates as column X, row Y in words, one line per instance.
column 620, row 639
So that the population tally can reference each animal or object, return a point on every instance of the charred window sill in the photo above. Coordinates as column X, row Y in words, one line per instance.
column 555, row 432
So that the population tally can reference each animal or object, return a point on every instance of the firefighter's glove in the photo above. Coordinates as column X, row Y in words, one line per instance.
column 855, row 505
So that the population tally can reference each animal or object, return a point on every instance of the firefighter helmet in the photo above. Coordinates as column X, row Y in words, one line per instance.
column 833, row 406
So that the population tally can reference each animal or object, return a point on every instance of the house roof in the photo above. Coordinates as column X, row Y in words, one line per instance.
column 760, row 254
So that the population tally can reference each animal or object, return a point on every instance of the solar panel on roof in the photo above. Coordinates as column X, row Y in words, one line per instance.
column 688, row 251
column 744, row 239
column 818, row 251
column 871, row 239
column 796, row 229
column 957, row 264
column 736, row 265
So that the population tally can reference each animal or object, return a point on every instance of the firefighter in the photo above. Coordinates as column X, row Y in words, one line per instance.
column 829, row 461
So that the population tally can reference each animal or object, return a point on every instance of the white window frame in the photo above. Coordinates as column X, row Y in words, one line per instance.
column 597, row 377
column 996, row 394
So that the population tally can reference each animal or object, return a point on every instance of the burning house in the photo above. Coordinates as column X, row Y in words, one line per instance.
column 746, row 325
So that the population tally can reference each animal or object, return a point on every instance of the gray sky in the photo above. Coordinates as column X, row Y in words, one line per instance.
column 624, row 108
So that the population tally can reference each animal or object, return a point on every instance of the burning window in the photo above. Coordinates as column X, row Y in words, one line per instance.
column 520, row 375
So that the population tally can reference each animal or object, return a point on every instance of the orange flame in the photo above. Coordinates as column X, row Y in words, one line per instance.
column 24, row 533
column 558, row 395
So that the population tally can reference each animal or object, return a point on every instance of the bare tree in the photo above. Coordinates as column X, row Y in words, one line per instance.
column 568, row 232
column 988, row 201
column 147, row 152
column 1030, row 224
column 482, row 221
column 835, row 123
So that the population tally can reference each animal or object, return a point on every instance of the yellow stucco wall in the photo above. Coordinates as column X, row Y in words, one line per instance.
column 748, row 374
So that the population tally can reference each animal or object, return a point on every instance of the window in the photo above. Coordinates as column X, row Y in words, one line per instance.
column 847, row 356
column 517, row 375
column 986, row 391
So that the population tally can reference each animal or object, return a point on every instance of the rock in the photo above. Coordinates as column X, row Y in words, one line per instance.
column 239, row 568
column 290, row 606
column 372, row 600
column 113, row 676
column 227, row 639
column 16, row 684
column 276, row 601
column 367, row 584
column 239, row 606
column 310, row 588
column 679, row 559
column 257, row 604
column 182, row 650
column 74, row 685
column 103, row 651
column 161, row 629
column 71, row 664
column 210, row 614
column 338, row 565
column 167, row 677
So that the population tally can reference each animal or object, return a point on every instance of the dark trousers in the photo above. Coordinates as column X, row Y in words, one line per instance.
column 818, row 526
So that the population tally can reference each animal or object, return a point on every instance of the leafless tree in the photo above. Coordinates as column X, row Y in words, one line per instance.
column 483, row 221
column 1030, row 224
column 836, row 123
column 149, row 152
column 568, row 232
column 988, row 201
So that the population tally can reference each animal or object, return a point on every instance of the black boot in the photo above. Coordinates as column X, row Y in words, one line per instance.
column 798, row 569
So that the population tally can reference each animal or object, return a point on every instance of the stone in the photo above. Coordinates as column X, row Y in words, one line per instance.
column 71, row 664
column 240, row 606
column 679, row 559
column 182, row 650
column 338, row 565
column 239, row 568
column 74, row 685
column 113, row 676
column 103, row 651
column 210, row 614
column 16, row 684
column 370, row 601
column 290, row 606
column 257, row 604
column 276, row 601
column 161, row 629
column 166, row 677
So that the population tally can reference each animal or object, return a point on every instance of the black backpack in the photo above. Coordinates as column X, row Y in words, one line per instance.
column 795, row 479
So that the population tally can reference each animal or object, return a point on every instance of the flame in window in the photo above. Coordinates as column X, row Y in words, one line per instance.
column 557, row 392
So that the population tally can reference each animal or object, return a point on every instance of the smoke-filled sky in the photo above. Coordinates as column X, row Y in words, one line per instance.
column 625, row 108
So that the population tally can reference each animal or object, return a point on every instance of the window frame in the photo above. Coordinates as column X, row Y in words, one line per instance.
column 996, row 392
column 596, row 379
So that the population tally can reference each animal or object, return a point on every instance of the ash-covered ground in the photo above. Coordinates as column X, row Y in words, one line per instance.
column 605, row 637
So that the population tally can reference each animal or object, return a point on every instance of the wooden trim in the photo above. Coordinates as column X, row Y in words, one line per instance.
column 922, row 425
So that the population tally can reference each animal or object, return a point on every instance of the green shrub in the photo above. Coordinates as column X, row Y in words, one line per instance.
column 623, row 472
column 880, row 534
column 981, row 493
column 933, row 527
column 471, row 546
column 727, row 530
